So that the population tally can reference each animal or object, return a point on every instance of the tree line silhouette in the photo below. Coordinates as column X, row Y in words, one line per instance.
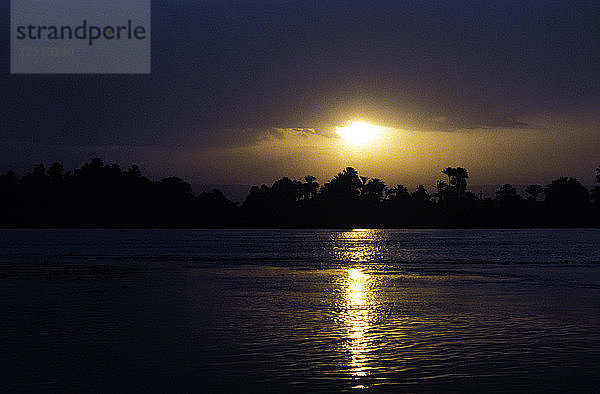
column 102, row 195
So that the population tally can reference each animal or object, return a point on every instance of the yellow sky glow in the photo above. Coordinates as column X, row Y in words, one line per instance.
column 410, row 157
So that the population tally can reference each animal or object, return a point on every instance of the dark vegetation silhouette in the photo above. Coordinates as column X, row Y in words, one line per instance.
column 103, row 195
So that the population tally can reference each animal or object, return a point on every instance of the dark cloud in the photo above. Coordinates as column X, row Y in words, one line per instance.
column 470, row 122
column 240, row 137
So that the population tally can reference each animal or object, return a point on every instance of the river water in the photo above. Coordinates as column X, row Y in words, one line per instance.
column 300, row 310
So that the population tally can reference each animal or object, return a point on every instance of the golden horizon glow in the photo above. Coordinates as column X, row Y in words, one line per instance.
column 358, row 133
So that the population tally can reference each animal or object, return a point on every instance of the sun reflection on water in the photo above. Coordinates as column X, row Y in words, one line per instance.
column 358, row 320
column 357, row 246
column 359, row 308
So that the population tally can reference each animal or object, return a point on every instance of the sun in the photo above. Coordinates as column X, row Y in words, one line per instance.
column 357, row 133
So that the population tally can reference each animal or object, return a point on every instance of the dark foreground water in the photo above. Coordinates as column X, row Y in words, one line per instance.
column 300, row 310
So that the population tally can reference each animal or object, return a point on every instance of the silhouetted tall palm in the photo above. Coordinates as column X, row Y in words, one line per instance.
column 451, row 172
column 420, row 195
column 457, row 179
column 595, row 195
column 311, row 186
column 373, row 189
column 595, row 192
column 506, row 193
column 567, row 201
column 399, row 192
column 461, row 181
column 566, row 192
column 441, row 187
column 346, row 185
column 286, row 190
column 55, row 173
column 534, row 191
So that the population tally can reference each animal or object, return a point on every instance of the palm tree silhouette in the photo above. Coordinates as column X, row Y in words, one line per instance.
column 420, row 195
column 399, row 192
column 451, row 172
column 566, row 191
column 506, row 192
column 310, row 187
column 534, row 191
column 346, row 185
column 373, row 189
column 441, row 187
column 461, row 181
column 457, row 179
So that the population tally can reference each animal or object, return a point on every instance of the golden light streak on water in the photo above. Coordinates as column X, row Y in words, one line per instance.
column 357, row 320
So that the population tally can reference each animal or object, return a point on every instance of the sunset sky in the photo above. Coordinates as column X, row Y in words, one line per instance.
column 246, row 92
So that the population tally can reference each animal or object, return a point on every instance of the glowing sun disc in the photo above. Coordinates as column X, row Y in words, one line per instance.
column 358, row 133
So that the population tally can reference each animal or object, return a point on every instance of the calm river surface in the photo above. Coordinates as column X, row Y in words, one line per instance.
column 300, row 310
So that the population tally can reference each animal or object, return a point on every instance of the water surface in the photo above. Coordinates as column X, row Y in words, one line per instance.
column 300, row 310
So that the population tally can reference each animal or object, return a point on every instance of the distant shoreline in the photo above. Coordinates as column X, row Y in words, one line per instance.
column 99, row 195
